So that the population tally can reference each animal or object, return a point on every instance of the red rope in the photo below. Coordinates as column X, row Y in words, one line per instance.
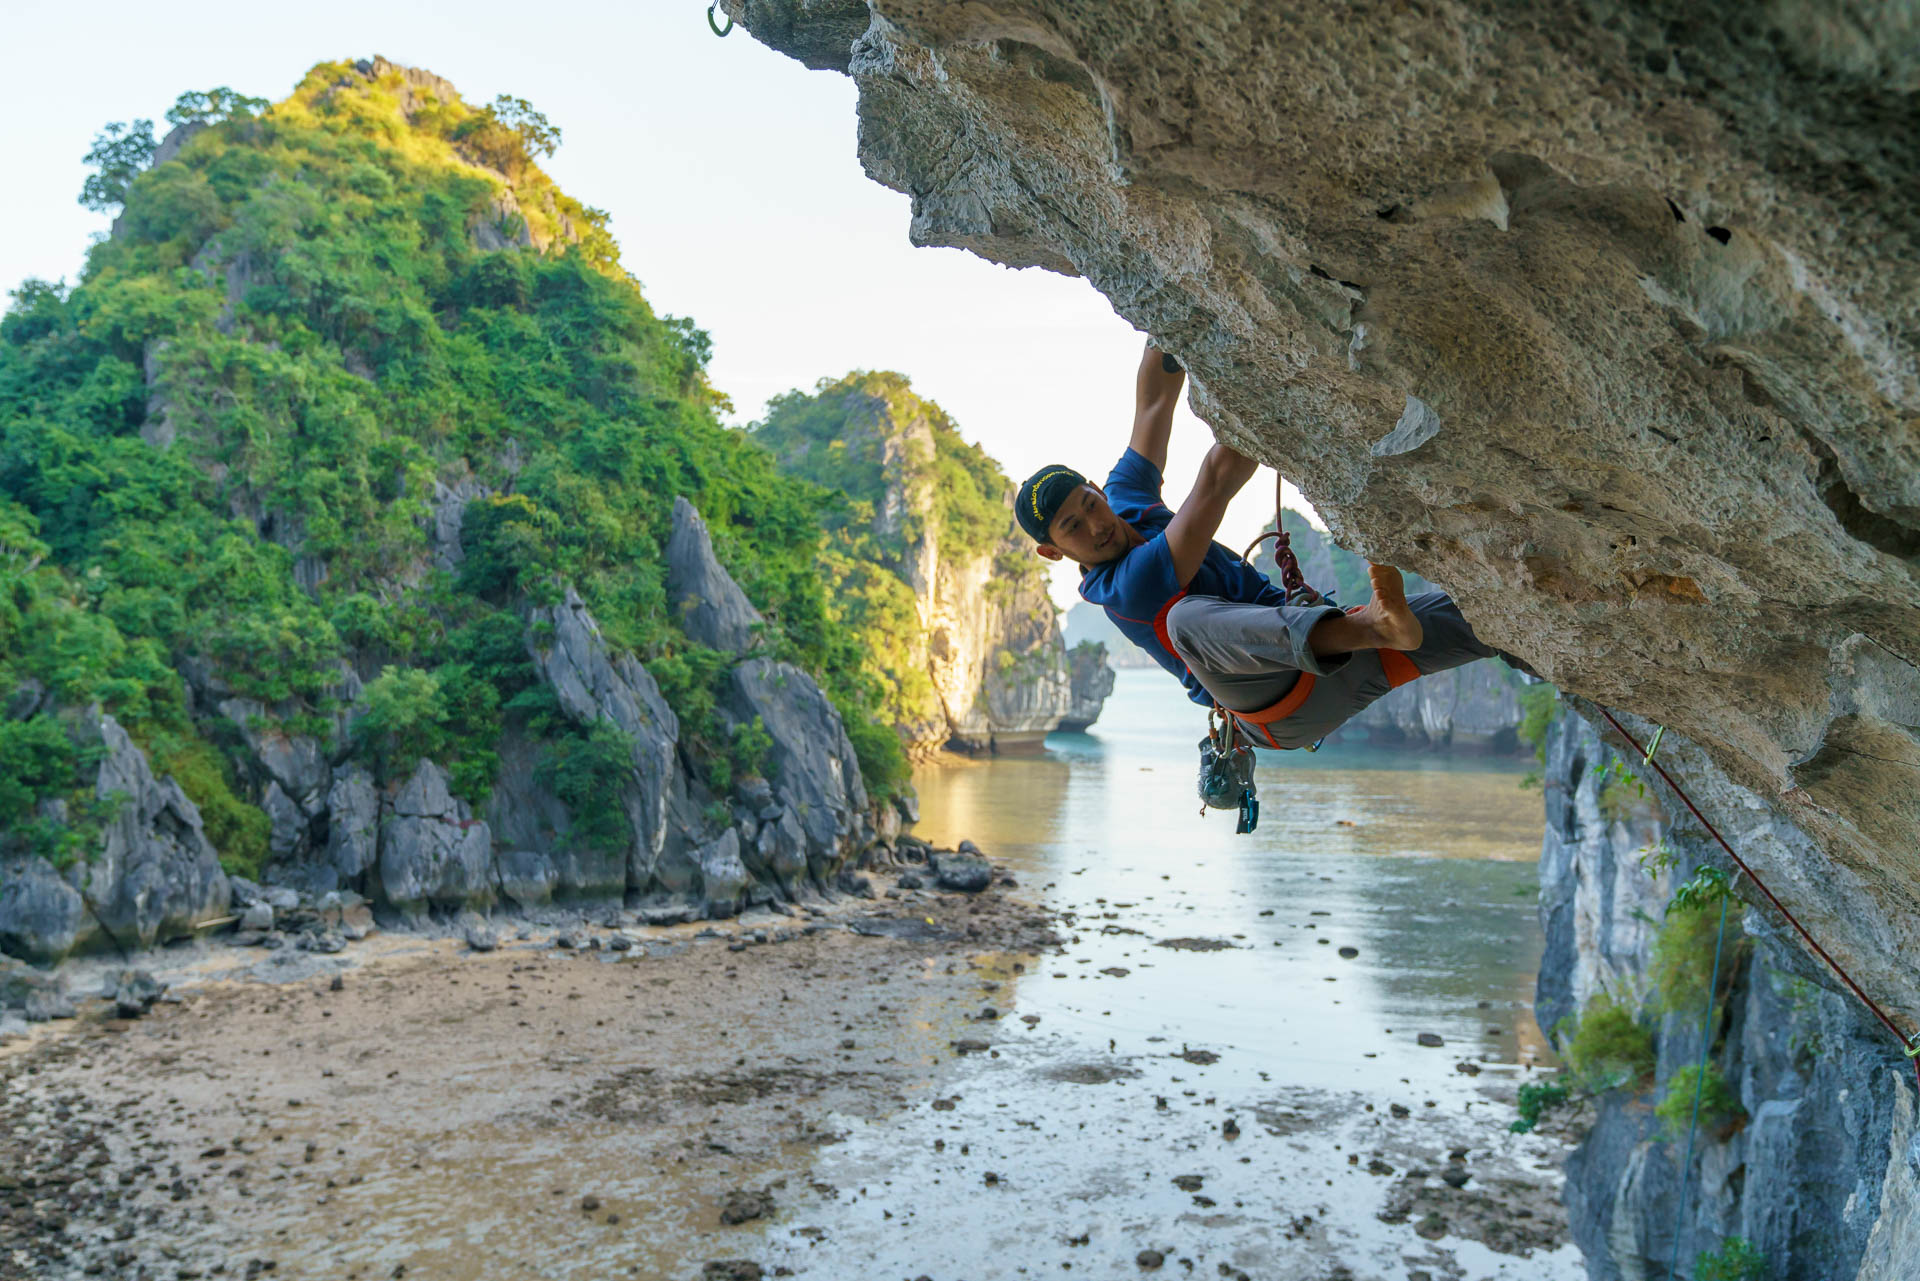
column 1292, row 582
column 1905, row 1040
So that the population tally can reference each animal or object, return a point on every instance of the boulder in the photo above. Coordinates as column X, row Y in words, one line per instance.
column 433, row 852
column 19, row 980
column 42, row 917
column 779, row 852
column 133, row 992
column 811, row 763
column 954, row 870
column 47, row 1004
column 156, row 875
column 711, row 608
column 723, row 877
column 525, row 876
column 353, row 828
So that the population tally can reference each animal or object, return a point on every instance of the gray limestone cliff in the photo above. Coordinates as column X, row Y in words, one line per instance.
column 986, row 668
column 1090, row 681
column 149, row 875
column 1821, row 1174
column 412, row 847
column 1600, row 315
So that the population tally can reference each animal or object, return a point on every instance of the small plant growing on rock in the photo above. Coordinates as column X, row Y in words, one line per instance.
column 1737, row 1259
column 1684, row 949
column 1536, row 1099
column 1621, row 791
column 1609, row 1048
column 1720, row 1110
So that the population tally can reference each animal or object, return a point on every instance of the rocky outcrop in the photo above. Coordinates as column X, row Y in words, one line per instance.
column 1822, row 1175
column 988, row 648
column 413, row 847
column 1603, row 316
column 810, row 769
column 999, row 665
column 592, row 683
column 433, row 852
column 709, row 606
column 153, row 876
column 1090, row 681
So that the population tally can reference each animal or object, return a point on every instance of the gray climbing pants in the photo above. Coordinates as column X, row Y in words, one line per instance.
column 1252, row 659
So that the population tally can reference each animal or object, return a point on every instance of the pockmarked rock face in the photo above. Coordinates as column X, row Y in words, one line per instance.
column 1602, row 317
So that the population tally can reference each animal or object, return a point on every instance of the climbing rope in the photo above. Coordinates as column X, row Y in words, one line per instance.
column 1700, row 1076
column 1909, row 1043
column 1292, row 581
column 718, row 30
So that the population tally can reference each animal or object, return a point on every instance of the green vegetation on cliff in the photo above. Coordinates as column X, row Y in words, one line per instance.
column 223, row 452
column 903, row 471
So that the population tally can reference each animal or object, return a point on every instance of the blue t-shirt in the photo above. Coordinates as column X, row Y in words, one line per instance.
column 1140, row 587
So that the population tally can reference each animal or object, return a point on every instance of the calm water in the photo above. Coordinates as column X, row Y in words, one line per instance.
column 1086, row 1111
column 1425, row 863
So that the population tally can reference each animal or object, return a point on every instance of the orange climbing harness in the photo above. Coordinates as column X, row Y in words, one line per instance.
column 1258, row 726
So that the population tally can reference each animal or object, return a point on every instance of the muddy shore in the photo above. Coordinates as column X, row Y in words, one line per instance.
column 705, row 1101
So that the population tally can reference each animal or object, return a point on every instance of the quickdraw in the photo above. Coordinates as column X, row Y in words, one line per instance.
column 1226, row 772
column 717, row 29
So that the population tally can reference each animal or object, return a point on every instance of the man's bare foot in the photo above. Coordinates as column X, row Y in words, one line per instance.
column 1388, row 615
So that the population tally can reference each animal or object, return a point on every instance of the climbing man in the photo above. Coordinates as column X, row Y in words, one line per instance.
column 1286, row 666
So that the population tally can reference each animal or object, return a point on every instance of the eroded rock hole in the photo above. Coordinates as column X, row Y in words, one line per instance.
column 1720, row 234
column 1877, row 531
column 1677, row 215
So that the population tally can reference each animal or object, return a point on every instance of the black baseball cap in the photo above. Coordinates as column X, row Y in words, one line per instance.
column 1041, row 497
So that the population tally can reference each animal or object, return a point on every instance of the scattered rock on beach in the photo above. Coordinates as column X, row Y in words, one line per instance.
column 745, row 1204
column 962, row 871
column 1432, row 1040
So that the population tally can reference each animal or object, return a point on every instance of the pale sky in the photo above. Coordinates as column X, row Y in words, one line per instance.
column 729, row 170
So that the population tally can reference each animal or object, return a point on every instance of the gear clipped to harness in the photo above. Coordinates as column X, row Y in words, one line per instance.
column 1226, row 774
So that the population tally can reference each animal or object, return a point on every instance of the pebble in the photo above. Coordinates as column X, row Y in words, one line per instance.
column 1432, row 1040
column 1148, row 1260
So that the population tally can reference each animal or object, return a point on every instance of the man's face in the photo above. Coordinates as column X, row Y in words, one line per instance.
column 1086, row 531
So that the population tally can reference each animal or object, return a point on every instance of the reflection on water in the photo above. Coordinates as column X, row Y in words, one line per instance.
column 1423, row 862
column 1120, row 1059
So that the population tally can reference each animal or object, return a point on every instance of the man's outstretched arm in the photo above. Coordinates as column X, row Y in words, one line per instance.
column 1223, row 473
column 1156, row 394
